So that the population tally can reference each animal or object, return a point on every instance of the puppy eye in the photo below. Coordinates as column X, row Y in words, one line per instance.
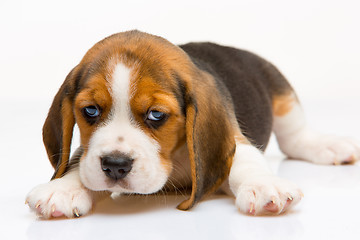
column 155, row 119
column 91, row 111
column 155, row 116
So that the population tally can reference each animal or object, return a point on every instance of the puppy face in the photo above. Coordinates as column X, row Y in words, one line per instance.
column 136, row 99
column 127, row 114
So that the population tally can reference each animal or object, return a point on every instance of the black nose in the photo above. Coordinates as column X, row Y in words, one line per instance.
column 116, row 166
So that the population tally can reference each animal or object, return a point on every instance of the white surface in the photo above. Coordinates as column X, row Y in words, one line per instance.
column 315, row 43
column 329, row 210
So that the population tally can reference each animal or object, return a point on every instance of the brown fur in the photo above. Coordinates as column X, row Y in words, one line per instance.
column 282, row 104
column 67, row 126
column 149, row 95
column 95, row 93
column 58, row 127
column 210, row 137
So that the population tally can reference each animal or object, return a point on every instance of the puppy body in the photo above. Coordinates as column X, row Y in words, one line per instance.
column 250, row 81
column 151, row 113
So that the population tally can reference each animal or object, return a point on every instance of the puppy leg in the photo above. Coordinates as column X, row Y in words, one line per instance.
column 256, row 189
column 64, row 196
column 297, row 141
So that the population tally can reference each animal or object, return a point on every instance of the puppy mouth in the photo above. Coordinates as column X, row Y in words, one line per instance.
column 116, row 185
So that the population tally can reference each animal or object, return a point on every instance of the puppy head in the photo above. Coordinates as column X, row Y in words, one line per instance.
column 136, row 98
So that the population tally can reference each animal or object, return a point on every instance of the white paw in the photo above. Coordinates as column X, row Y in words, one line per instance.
column 322, row 149
column 267, row 195
column 60, row 197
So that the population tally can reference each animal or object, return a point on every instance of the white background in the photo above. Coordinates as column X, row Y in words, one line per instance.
column 314, row 43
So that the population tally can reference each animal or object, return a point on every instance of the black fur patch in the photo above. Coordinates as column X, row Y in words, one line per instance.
column 250, row 81
column 180, row 92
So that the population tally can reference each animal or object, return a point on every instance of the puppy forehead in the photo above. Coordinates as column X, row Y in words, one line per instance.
column 105, row 84
column 140, row 66
column 136, row 82
column 151, row 93
column 120, row 80
column 94, row 91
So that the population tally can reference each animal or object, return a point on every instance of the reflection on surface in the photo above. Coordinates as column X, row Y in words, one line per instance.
column 331, row 192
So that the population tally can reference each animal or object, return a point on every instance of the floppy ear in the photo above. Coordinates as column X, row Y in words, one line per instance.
column 59, row 124
column 209, row 135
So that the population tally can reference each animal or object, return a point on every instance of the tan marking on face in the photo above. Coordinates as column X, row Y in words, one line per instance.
column 282, row 104
column 151, row 96
column 94, row 94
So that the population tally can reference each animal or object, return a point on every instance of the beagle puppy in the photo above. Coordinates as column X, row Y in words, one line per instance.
column 153, row 115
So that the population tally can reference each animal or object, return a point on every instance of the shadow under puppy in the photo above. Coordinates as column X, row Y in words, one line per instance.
column 152, row 114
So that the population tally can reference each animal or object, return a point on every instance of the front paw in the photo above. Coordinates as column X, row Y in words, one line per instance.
column 267, row 195
column 60, row 197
